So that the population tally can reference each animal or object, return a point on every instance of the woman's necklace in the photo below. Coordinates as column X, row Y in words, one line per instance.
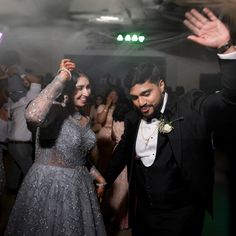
column 147, row 139
column 77, row 117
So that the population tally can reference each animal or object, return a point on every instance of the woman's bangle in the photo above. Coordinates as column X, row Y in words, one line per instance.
column 66, row 70
column 94, row 172
column 101, row 185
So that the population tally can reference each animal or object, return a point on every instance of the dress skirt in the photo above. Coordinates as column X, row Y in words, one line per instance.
column 56, row 201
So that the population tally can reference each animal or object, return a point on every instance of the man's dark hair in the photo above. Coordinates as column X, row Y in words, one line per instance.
column 142, row 73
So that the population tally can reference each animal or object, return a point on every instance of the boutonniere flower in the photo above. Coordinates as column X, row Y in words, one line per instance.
column 166, row 127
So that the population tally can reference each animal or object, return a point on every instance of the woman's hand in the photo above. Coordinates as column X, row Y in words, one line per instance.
column 100, row 190
column 109, row 101
column 66, row 66
column 100, row 187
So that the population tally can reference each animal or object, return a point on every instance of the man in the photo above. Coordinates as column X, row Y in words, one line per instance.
column 22, row 88
column 167, row 141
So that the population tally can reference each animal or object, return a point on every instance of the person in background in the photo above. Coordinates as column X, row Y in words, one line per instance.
column 110, row 116
column 57, row 196
column 3, row 135
column 93, row 113
column 117, row 196
column 22, row 88
column 167, row 142
column 105, row 143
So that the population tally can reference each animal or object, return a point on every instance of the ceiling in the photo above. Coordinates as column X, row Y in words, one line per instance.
column 160, row 20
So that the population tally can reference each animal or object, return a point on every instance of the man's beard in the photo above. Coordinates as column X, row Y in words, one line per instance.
column 156, row 110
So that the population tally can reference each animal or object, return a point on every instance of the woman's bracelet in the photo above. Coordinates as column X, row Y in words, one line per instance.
column 94, row 172
column 101, row 185
column 66, row 70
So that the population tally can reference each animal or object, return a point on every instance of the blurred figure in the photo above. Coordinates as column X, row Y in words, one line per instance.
column 111, row 117
column 3, row 72
column 117, row 196
column 105, row 142
column 93, row 113
column 3, row 135
column 22, row 88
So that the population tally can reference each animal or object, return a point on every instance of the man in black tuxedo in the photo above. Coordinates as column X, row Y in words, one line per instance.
column 167, row 141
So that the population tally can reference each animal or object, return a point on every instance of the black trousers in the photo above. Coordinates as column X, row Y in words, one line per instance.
column 22, row 154
column 184, row 221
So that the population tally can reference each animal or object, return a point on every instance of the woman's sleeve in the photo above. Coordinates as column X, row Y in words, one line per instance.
column 39, row 111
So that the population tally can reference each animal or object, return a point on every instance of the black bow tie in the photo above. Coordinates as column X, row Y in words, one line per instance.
column 156, row 115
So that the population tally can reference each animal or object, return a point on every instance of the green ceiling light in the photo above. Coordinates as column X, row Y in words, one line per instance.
column 141, row 38
column 120, row 38
column 127, row 38
column 135, row 38
column 131, row 37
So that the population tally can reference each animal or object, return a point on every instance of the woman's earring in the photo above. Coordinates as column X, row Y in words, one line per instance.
column 65, row 101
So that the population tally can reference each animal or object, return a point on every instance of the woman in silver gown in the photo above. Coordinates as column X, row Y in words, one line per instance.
column 57, row 196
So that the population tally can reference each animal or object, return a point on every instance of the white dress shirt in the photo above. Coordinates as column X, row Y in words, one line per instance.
column 147, row 139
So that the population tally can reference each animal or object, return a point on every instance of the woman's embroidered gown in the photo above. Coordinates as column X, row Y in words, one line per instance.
column 57, row 196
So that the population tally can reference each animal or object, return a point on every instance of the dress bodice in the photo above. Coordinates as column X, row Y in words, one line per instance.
column 69, row 148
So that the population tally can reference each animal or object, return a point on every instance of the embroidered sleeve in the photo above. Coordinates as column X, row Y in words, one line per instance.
column 38, row 111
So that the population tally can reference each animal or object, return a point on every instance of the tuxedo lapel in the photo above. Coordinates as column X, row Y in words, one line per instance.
column 137, row 123
column 170, row 115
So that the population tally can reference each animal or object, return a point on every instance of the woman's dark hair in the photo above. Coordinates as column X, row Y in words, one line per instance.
column 110, row 89
column 142, row 73
column 122, row 105
column 120, row 93
column 96, row 97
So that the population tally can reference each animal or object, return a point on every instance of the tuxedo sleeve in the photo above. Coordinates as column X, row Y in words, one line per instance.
column 122, row 154
column 218, row 108
column 228, row 71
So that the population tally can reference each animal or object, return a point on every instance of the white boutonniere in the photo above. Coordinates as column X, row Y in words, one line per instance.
column 166, row 127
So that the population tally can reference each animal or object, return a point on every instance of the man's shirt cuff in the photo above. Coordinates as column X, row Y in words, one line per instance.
column 228, row 56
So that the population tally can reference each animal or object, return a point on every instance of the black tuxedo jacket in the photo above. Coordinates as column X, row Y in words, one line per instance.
column 196, row 115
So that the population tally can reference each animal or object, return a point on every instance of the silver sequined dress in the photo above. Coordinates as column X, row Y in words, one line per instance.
column 57, row 196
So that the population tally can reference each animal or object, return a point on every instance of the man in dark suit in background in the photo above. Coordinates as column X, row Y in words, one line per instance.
column 167, row 141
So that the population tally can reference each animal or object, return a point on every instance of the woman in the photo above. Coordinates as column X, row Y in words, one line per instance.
column 117, row 197
column 104, row 118
column 111, row 116
column 57, row 196
column 93, row 113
